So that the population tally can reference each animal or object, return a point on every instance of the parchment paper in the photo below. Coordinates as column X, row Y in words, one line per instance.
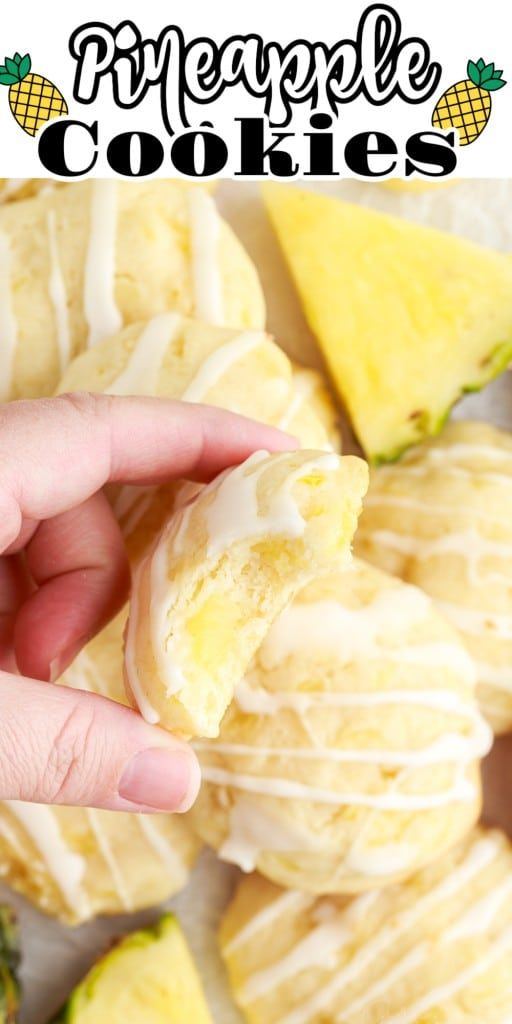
column 54, row 957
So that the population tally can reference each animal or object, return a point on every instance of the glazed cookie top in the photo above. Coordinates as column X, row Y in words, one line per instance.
column 353, row 738
column 442, row 518
column 79, row 261
column 225, row 566
column 436, row 948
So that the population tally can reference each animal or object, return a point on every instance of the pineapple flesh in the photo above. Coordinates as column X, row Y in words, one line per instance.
column 148, row 978
column 408, row 318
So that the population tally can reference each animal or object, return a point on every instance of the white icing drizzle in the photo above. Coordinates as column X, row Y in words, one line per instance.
column 141, row 373
column 459, row 472
column 110, row 860
column 101, row 311
column 319, row 948
column 450, row 747
column 163, row 849
column 481, row 853
column 253, row 829
column 216, row 364
column 328, row 628
column 8, row 324
column 468, row 545
column 442, row 993
column 477, row 623
column 10, row 836
column 480, row 916
column 232, row 516
column 460, row 450
column 140, row 698
column 206, row 277
column 375, row 499
column 461, row 791
column 256, row 700
column 379, row 861
column 303, row 387
column 57, row 292
column 288, row 901
column 416, row 956
column 66, row 867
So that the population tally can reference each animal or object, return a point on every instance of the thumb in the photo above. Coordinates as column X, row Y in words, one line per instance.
column 64, row 746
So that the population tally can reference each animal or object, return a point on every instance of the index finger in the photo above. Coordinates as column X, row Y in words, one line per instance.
column 55, row 453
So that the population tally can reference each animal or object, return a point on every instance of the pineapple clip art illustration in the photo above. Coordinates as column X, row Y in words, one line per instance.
column 466, row 105
column 33, row 100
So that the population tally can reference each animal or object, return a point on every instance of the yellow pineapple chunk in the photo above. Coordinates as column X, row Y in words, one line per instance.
column 408, row 318
column 148, row 977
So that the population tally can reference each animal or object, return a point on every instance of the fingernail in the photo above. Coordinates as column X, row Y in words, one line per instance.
column 166, row 780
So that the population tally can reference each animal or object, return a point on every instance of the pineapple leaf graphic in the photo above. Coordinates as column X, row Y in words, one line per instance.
column 33, row 100
column 25, row 65
column 485, row 77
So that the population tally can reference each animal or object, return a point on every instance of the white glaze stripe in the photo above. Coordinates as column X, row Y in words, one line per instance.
column 480, row 855
column 66, row 867
column 255, row 700
column 110, row 860
column 163, row 849
column 101, row 311
column 218, row 362
column 8, row 324
column 442, row 993
column 316, row 949
column 288, row 902
column 206, row 278
column 475, row 622
column 375, row 499
column 462, row 791
column 468, row 545
column 57, row 292
column 451, row 747
column 141, row 373
column 460, row 450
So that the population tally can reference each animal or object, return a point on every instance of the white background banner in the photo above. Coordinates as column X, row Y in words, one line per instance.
column 454, row 33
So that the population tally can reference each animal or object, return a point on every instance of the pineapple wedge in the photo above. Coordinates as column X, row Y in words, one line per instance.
column 408, row 318
column 148, row 978
column 9, row 964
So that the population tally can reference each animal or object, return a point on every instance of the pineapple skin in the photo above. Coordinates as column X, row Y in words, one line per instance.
column 9, row 964
column 122, row 970
column 409, row 319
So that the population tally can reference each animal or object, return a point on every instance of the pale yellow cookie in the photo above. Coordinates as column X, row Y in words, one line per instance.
column 441, row 517
column 78, row 262
column 74, row 863
column 171, row 356
column 312, row 406
column 436, row 949
column 349, row 755
column 224, row 567
column 22, row 188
